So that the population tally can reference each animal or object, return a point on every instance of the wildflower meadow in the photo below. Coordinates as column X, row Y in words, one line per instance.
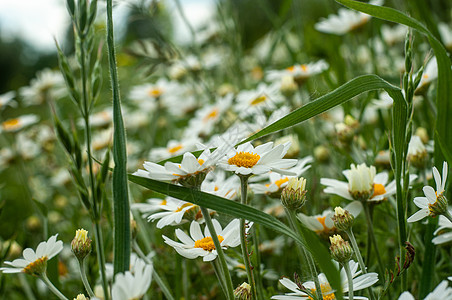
column 280, row 150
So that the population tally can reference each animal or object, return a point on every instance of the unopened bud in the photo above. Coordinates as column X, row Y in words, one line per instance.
column 243, row 292
column 81, row 297
column 81, row 244
column 288, row 86
column 341, row 251
column 293, row 196
column 321, row 153
column 343, row 219
column 417, row 153
column 423, row 134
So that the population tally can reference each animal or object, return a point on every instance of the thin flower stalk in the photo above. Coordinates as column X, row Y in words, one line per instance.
column 51, row 287
column 243, row 239
column 82, row 264
column 349, row 279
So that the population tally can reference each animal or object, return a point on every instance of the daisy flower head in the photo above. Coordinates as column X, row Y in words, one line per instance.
column 345, row 21
column 6, row 99
column 35, row 262
column 360, row 281
column 174, row 212
column 132, row 284
column 264, row 97
column 435, row 202
column 363, row 184
column 442, row 291
column 246, row 159
column 191, row 172
column 16, row 124
column 173, row 148
column 47, row 83
column 199, row 244
column 278, row 181
column 299, row 73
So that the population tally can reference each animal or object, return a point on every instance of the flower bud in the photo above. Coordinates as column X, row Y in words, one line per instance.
column 288, row 86
column 341, row 251
column 343, row 219
column 81, row 244
column 243, row 292
column 321, row 153
column 81, row 297
column 293, row 196
column 361, row 181
column 417, row 154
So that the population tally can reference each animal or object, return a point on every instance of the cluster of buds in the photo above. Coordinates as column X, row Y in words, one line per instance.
column 343, row 219
column 341, row 250
column 293, row 196
column 347, row 130
column 81, row 244
column 243, row 292
column 361, row 181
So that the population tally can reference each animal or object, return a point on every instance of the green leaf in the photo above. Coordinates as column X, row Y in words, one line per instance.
column 235, row 209
column 339, row 96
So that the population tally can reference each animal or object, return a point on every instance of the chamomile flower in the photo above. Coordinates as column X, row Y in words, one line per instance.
column 264, row 97
column 442, row 291
column 217, row 184
column 299, row 72
column 323, row 223
column 362, row 182
column 247, row 160
column 278, row 181
column 173, row 148
column 16, row 124
column 47, row 83
column 172, row 214
column 441, row 237
column 132, row 284
column 360, row 281
column 146, row 95
column 35, row 262
column 345, row 21
column 190, row 172
column 434, row 203
column 199, row 244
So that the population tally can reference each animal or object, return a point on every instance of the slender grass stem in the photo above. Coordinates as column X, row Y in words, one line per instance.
column 26, row 286
column 349, row 280
column 307, row 256
column 52, row 287
column 243, row 239
column 359, row 258
column 82, row 265
column 219, row 275
column 259, row 283
column 373, row 239
column 224, row 271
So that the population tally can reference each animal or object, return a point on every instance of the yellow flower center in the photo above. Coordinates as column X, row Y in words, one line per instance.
column 379, row 189
column 322, row 221
column 291, row 68
column 211, row 115
column 304, row 68
column 174, row 149
column 425, row 76
column 207, row 243
column 278, row 182
column 258, row 100
column 244, row 159
column 155, row 92
column 11, row 124
column 201, row 161
column 37, row 267
column 163, row 202
column 327, row 292
column 182, row 207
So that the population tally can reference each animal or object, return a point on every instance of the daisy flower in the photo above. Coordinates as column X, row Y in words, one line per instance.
column 132, row 284
column 146, row 95
column 264, row 97
column 247, row 160
column 434, row 203
column 299, row 72
column 6, row 98
column 346, row 21
column 35, row 262
column 173, row 148
column 172, row 214
column 360, row 281
column 199, row 244
column 442, row 238
column 190, row 172
column 217, row 184
column 278, row 181
column 323, row 224
column 362, row 183
column 442, row 291
column 46, row 83
column 446, row 35
column 417, row 153
column 16, row 124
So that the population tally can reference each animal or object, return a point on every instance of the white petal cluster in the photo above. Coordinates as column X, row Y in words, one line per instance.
column 132, row 284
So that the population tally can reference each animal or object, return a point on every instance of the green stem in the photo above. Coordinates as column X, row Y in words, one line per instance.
column 359, row 258
column 121, row 210
column 219, row 275
column 52, row 287
column 243, row 240
column 349, row 279
column 306, row 255
column 155, row 275
column 259, row 283
column 224, row 271
column 101, row 259
column 372, row 237
column 82, row 264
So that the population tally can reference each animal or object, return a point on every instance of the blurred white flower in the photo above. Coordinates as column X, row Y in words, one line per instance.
column 442, row 291
column 132, row 284
column 47, row 83
column 6, row 99
column 16, row 124
column 299, row 72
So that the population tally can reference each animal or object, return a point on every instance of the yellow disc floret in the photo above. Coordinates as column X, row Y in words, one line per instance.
column 207, row 243
column 379, row 189
column 244, row 159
